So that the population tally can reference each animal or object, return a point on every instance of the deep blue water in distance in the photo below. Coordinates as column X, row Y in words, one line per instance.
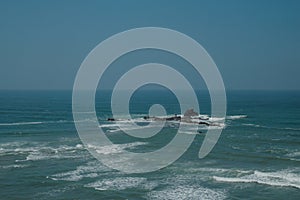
column 256, row 157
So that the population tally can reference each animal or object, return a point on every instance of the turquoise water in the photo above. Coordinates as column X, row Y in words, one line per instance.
column 256, row 157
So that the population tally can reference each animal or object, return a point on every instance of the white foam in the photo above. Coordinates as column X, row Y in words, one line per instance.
column 61, row 152
column 293, row 129
column 43, row 156
column 202, row 116
column 129, row 128
column 282, row 178
column 294, row 154
column 90, row 170
column 253, row 125
column 72, row 176
column 294, row 159
column 216, row 119
column 115, row 148
column 236, row 117
column 79, row 146
column 13, row 166
column 108, row 125
column 187, row 192
column 269, row 127
column 125, row 129
column 20, row 123
column 189, row 132
column 119, row 183
column 33, row 151
column 213, row 127
column 42, row 122
column 215, row 171
column 16, row 148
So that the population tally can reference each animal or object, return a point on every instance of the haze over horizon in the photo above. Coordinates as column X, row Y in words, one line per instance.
column 255, row 44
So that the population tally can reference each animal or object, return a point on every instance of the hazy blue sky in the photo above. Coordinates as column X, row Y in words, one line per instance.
column 255, row 44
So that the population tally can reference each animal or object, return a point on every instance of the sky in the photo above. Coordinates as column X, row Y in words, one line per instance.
column 255, row 44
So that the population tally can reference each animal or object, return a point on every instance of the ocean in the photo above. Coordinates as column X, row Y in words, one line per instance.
column 256, row 157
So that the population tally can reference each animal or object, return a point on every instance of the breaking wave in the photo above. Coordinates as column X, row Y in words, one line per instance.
column 282, row 178
column 271, row 127
column 115, row 148
column 20, row 123
column 89, row 170
column 121, row 183
column 187, row 192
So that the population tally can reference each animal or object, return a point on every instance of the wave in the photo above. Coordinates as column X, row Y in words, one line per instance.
column 187, row 192
column 126, row 125
column 180, row 184
column 108, row 125
column 215, row 119
column 236, row 117
column 120, row 183
column 294, row 154
column 293, row 129
column 126, row 129
column 189, row 132
column 34, row 123
column 42, row 122
column 13, row 166
column 115, row 148
column 217, row 170
column 270, row 127
column 281, row 178
column 136, row 120
column 20, row 123
column 61, row 152
column 44, row 151
column 294, row 159
column 90, row 170
column 253, row 125
column 15, row 148
column 33, row 151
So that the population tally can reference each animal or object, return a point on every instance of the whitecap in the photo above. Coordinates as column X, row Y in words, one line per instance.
column 189, row 132
column 60, row 152
column 115, row 148
column 90, row 170
column 294, row 154
column 108, row 125
column 119, row 183
column 284, row 178
column 13, row 166
column 232, row 117
column 293, row 129
column 253, row 125
column 216, row 119
column 20, row 123
column 187, row 192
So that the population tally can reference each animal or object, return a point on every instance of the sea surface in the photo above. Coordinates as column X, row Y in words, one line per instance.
column 256, row 157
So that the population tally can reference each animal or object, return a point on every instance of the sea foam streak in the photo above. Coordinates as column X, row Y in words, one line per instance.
column 120, row 183
column 236, row 116
column 115, row 148
column 20, row 123
column 41, row 122
column 41, row 151
column 61, row 152
column 89, row 170
column 283, row 178
column 13, row 166
column 271, row 127
column 187, row 192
